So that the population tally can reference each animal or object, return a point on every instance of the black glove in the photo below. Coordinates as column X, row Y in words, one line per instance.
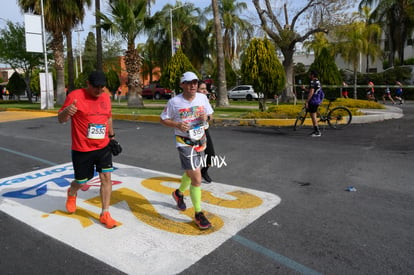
column 115, row 147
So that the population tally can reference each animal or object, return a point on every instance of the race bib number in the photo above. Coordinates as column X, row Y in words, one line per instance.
column 96, row 131
column 196, row 133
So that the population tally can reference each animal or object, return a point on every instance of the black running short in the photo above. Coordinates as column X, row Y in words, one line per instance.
column 84, row 163
column 312, row 108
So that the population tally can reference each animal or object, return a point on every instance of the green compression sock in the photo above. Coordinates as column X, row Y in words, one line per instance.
column 185, row 182
column 195, row 194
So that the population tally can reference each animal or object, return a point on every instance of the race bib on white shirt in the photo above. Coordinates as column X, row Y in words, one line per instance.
column 96, row 131
column 197, row 132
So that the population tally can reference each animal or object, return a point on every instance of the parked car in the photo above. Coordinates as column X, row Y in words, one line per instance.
column 156, row 91
column 243, row 92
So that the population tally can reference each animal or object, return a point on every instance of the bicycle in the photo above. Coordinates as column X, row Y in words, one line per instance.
column 337, row 117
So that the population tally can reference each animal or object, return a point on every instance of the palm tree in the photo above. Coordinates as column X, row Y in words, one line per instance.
column 236, row 31
column 186, row 26
column 397, row 19
column 354, row 40
column 70, row 61
column 222, row 99
column 60, row 17
column 319, row 43
column 128, row 19
column 372, row 32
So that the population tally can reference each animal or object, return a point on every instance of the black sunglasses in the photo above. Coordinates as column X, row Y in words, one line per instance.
column 195, row 81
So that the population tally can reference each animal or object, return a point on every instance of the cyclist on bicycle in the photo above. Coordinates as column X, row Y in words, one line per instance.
column 311, row 107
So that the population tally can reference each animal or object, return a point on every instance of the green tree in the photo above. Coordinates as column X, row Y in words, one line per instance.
column 112, row 81
column 373, row 33
column 397, row 20
column 188, row 34
column 320, row 16
column 261, row 67
column 128, row 19
column 35, row 83
column 328, row 72
column 16, row 85
column 319, row 43
column 111, row 48
column 13, row 52
column 60, row 17
column 89, row 54
column 171, row 75
column 231, row 75
column 149, row 62
column 353, row 40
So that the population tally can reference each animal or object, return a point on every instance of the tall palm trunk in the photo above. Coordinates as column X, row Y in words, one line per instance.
column 69, row 53
column 132, row 64
column 222, row 87
column 57, row 47
column 99, row 65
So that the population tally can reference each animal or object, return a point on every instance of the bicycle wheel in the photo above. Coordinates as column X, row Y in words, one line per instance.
column 339, row 117
column 300, row 119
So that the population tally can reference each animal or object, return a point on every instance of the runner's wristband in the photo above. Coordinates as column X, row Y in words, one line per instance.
column 111, row 136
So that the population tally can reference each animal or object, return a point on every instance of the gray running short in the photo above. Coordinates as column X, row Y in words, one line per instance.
column 190, row 158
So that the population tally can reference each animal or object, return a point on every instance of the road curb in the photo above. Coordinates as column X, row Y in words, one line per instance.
column 370, row 115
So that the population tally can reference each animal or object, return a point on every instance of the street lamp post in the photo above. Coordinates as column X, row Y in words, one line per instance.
column 171, row 28
column 79, row 50
column 48, row 93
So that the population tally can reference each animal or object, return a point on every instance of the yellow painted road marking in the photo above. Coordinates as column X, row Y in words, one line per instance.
column 144, row 211
column 243, row 200
column 155, row 237
column 16, row 115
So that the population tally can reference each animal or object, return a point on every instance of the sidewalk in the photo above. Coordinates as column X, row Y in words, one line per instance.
column 371, row 115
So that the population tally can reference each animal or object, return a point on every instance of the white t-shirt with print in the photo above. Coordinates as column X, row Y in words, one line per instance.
column 181, row 110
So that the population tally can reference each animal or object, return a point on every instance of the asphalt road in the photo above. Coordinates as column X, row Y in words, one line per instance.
column 318, row 228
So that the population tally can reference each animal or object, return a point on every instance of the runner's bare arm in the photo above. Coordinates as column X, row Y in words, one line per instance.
column 182, row 126
column 111, row 133
column 69, row 111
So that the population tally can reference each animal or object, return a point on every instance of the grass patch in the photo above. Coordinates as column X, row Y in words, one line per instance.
column 237, row 109
column 290, row 111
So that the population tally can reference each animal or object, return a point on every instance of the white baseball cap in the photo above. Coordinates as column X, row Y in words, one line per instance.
column 188, row 76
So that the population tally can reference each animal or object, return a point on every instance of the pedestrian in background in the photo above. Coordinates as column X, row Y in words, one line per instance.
column 91, row 130
column 344, row 90
column 399, row 92
column 387, row 94
column 371, row 91
column 209, row 151
column 311, row 106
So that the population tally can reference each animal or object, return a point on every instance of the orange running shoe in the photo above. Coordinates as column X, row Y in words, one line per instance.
column 107, row 220
column 71, row 203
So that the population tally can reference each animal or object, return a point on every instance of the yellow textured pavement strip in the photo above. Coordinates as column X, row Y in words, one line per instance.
column 17, row 115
